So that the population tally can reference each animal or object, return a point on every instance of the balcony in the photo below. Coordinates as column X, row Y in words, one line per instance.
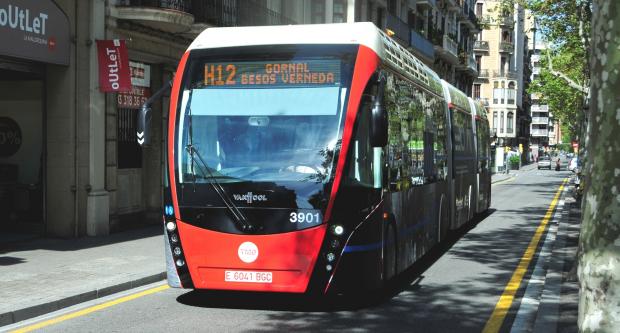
column 171, row 16
column 485, row 20
column 450, row 45
column 467, row 62
column 214, row 13
column 422, row 46
column 506, row 21
column 539, row 108
column 539, row 132
column 483, row 74
column 400, row 29
column 481, row 46
column 506, row 47
column 506, row 74
column 540, row 120
column 504, row 96
column 468, row 17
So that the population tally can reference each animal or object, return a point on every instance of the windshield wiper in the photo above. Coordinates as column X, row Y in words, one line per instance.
column 242, row 222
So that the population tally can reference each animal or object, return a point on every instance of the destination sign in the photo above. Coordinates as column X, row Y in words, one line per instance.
column 282, row 74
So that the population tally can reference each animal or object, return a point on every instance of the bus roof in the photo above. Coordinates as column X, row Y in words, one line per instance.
column 364, row 33
column 479, row 109
column 360, row 33
column 457, row 98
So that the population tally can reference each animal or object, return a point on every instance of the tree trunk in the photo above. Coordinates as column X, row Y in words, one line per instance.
column 599, row 261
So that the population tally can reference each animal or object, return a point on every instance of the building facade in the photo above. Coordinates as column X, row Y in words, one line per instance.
column 544, row 130
column 69, row 161
column 501, row 53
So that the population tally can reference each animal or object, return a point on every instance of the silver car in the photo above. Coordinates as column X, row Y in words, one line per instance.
column 544, row 163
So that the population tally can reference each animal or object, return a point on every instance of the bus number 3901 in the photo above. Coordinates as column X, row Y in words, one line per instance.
column 301, row 217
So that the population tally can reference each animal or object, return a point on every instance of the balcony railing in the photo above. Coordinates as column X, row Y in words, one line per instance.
column 483, row 73
column 504, row 96
column 220, row 13
column 471, row 63
column 450, row 45
column 506, row 21
column 539, row 132
column 506, row 47
column 180, row 5
column 481, row 45
column 539, row 108
column 540, row 120
column 422, row 45
column 399, row 27
column 506, row 74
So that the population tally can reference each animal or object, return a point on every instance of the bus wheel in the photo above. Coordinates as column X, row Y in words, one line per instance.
column 389, row 253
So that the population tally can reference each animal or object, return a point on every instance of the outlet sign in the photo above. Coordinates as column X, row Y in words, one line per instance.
column 34, row 30
column 114, row 71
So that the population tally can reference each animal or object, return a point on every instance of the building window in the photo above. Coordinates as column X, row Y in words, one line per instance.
column 476, row 94
column 495, row 121
column 478, row 63
column 340, row 11
column 317, row 10
column 501, row 122
column 509, row 128
column 479, row 9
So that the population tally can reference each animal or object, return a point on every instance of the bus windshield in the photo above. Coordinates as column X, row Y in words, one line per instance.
column 266, row 117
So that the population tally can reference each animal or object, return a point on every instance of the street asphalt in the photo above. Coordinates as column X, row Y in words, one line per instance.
column 455, row 288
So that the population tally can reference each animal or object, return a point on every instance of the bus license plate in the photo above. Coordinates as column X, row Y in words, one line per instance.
column 247, row 276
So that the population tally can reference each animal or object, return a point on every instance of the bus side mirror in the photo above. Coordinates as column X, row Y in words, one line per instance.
column 379, row 117
column 143, row 131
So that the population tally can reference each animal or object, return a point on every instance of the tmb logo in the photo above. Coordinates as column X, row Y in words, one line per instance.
column 250, row 197
column 247, row 252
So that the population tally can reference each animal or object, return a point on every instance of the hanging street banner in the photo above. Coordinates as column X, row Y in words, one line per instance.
column 114, row 72
column 34, row 30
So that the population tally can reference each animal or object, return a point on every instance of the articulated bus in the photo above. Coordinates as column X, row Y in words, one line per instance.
column 313, row 159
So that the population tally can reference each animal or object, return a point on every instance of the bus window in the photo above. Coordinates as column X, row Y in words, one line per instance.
column 364, row 161
column 437, row 108
column 395, row 137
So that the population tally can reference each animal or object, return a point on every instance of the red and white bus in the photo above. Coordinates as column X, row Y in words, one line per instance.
column 313, row 159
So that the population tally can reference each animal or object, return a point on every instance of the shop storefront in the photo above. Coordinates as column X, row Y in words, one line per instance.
column 35, row 36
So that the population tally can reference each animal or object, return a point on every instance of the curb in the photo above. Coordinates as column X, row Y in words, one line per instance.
column 549, row 308
column 15, row 316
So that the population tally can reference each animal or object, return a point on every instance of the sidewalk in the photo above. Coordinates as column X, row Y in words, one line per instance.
column 43, row 275
column 558, row 309
column 501, row 176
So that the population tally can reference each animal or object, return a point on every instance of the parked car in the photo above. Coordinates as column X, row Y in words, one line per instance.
column 544, row 163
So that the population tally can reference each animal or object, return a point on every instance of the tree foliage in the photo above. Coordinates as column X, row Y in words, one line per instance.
column 565, row 25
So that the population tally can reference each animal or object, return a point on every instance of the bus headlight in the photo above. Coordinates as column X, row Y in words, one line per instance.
column 171, row 226
column 338, row 230
column 180, row 262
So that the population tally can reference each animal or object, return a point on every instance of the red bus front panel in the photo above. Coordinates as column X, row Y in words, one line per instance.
column 280, row 262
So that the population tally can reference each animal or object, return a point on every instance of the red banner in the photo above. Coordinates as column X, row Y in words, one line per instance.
column 113, row 66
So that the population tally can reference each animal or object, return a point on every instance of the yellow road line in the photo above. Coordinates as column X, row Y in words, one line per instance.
column 90, row 309
column 505, row 301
